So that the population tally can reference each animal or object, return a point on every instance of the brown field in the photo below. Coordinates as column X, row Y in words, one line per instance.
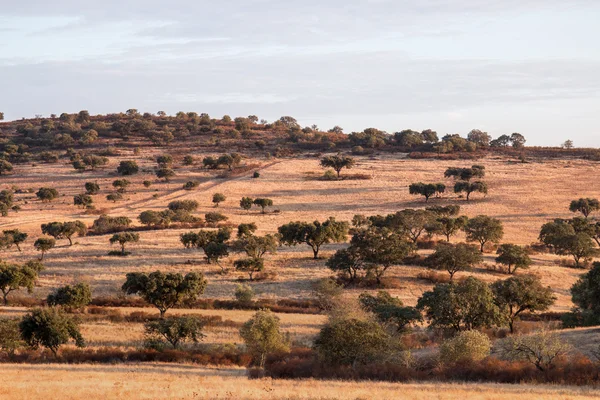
column 522, row 195
column 157, row 381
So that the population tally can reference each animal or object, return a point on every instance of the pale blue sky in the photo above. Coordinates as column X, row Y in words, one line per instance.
column 529, row 66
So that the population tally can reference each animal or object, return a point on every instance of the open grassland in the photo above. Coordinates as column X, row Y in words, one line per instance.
column 522, row 195
column 124, row 382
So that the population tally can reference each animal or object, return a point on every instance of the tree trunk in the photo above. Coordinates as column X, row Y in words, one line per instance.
column 338, row 173
column 482, row 244
column 162, row 313
column 70, row 241
column 5, row 295
column 19, row 247
column 315, row 253
column 42, row 256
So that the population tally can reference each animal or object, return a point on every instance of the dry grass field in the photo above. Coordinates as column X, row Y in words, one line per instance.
column 92, row 382
column 522, row 195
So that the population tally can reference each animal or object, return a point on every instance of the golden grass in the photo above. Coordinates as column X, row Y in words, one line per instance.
column 523, row 196
column 93, row 382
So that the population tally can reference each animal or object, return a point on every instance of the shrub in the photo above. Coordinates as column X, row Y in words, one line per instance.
column 542, row 349
column 47, row 194
column 183, row 205
column 10, row 336
column 244, row 294
column 466, row 346
column 256, row 174
column 327, row 292
column 351, row 341
column 213, row 218
column 189, row 185
column 128, row 168
column 106, row 224
column 71, row 297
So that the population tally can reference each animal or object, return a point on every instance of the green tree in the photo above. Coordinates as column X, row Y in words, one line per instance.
column 165, row 291
column 379, row 249
column 470, row 187
column 338, row 162
column 454, row 258
column 390, row 311
column 246, row 230
column 521, row 293
column 249, row 265
column 165, row 173
column 213, row 218
column 47, row 194
column 484, row 229
column 351, row 342
column 246, row 203
column 462, row 306
column 83, row 200
column 347, row 262
column 585, row 294
column 14, row 237
column 218, row 198
column 50, row 328
column 263, row 203
column 175, row 330
column 71, row 298
column 426, row 189
column 314, row 234
column 14, row 277
column 164, row 160
column 262, row 335
column 447, row 226
column 585, row 206
column 128, row 168
column 123, row 238
column 114, row 197
column 121, row 185
column 64, row 230
column 513, row 256
column 44, row 244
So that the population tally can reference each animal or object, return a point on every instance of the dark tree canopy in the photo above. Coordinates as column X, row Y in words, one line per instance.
column 585, row 206
column 447, row 226
column 263, row 203
column 128, row 168
column 315, row 234
column 454, row 258
column 390, row 311
column 71, row 297
column 466, row 305
column 513, row 256
column 44, row 244
column 484, row 229
column 165, row 291
column 338, row 162
column 175, row 330
column 123, row 238
column 47, row 194
column 521, row 293
column 14, row 277
column 426, row 189
column 470, row 187
column 50, row 328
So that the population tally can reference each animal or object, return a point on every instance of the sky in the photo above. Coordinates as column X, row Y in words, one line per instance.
column 502, row 66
